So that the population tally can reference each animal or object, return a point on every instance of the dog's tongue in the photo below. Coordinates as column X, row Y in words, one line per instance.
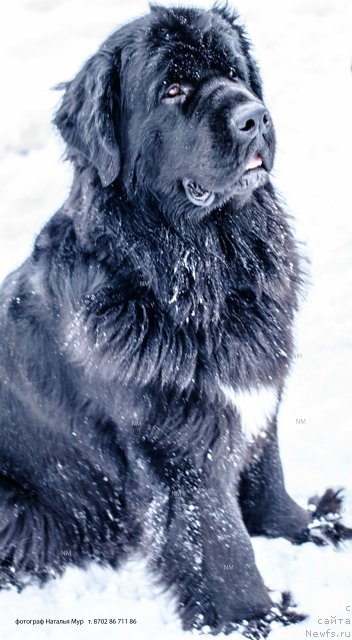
column 254, row 163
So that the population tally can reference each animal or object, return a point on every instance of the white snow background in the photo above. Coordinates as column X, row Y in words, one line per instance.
column 304, row 50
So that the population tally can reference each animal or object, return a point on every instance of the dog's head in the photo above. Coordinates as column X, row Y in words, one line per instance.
column 171, row 105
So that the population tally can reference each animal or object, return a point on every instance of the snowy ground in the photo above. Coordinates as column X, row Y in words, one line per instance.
column 303, row 48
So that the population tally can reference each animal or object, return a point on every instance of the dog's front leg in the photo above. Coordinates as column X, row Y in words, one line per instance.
column 207, row 559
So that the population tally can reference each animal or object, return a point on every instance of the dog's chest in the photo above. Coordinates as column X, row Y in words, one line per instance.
column 240, row 333
column 255, row 407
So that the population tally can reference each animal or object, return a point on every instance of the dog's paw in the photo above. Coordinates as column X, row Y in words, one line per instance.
column 284, row 612
column 325, row 527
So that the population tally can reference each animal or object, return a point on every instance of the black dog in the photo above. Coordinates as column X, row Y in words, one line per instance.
column 146, row 341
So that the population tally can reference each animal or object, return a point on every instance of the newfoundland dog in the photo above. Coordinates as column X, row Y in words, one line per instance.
column 146, row 342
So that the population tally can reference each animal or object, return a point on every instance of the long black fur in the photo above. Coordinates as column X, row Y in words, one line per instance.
column 133, row 309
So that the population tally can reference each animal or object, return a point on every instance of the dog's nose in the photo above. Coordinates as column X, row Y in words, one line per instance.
column 250, row 119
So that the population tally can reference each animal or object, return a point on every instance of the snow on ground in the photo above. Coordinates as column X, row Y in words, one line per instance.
column 304, row 52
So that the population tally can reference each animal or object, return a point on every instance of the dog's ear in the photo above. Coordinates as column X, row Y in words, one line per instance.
column 85, row 117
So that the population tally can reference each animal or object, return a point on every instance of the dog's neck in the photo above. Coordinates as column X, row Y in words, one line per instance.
column 234, row 253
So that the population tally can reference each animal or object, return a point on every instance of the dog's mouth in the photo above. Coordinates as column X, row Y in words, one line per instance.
column 250, row 178
column 254, row 176
column 197, row 194
column 254, row 163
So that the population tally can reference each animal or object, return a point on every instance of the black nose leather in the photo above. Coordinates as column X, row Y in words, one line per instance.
column 251, row 118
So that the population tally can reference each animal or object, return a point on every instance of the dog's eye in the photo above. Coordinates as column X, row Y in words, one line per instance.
column 232, row 73
column 174, row 91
